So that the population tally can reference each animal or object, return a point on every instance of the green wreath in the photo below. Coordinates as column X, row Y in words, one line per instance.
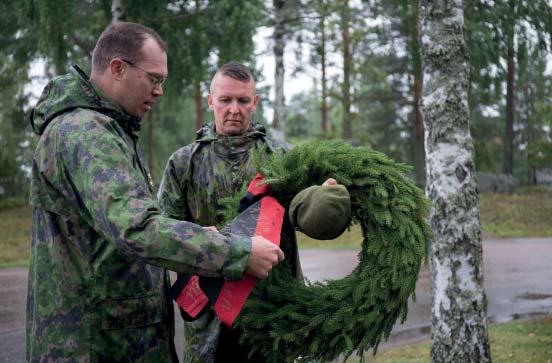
column 287, row 321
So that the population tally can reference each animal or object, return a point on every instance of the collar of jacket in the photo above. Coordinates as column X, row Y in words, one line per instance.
column 207, row 134
column 74, row 90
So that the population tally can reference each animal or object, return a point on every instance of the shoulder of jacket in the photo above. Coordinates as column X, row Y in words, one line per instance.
column 182, row 154
column 83, row 125
column 84, row 116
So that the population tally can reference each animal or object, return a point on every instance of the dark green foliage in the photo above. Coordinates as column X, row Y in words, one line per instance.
column 18, row 43
column 286, row 320
column 490, row 32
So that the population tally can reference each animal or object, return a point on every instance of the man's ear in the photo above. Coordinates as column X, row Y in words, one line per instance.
column 117, row 69
column 210, row 101
column 256, row 100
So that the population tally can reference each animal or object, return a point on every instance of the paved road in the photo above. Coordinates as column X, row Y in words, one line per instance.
column 517, row 272
column 517, row 278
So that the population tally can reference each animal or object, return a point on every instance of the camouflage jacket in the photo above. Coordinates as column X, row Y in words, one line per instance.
column 196, row 177
column 97, row 284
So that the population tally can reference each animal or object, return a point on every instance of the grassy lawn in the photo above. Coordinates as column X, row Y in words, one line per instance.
column 349, row 239
column 524, row 214
column 527, row 214
column 513, row 342
column 15, row 237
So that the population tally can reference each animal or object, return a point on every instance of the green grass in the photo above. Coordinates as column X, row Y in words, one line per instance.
column 349, row 239
column 15, row 227
column 527, row 213
column 513, row 342
column 12, row 203
column 524, row 214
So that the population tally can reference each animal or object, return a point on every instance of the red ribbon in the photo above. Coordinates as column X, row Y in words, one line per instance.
column 192, row 299
column 234, row 293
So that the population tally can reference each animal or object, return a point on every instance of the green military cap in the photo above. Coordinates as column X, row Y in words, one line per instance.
column 321, row 211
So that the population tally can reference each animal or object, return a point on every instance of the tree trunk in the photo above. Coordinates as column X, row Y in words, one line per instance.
column 278, row 123
column 417, row 119
column 346, row 85
column 529, row 127
column 510, row 107
column 418, row 132
column 197, row 49
column 324, row 104
column 197, row 102
column 117, row 11
column 458, row 316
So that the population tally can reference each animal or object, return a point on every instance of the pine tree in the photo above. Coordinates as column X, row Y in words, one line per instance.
column 497, row 34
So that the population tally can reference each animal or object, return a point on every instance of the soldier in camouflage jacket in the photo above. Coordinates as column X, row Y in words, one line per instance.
column 97, row 283
column 215, row 166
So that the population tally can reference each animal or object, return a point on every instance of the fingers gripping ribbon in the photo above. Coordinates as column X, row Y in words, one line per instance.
column 260, row 215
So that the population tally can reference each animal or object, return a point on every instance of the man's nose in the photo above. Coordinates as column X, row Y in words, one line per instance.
column 234, row 107
column 158, row 90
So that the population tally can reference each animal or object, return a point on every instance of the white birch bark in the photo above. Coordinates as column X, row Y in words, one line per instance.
column 117, row 11
column 278, row 124
column 458, row 316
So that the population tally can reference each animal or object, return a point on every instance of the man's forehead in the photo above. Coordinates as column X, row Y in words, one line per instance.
column 154, row 55
column 222, row 85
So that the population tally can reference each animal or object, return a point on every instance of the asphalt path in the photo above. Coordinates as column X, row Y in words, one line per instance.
column 517, row 278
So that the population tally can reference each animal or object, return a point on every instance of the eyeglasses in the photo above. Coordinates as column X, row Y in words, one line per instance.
column 155, row 79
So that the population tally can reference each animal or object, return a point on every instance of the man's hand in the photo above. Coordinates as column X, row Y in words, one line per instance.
column 264, row 256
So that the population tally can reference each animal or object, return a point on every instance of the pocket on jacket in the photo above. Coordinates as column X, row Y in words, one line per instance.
column 131, row 312
column 144, row 344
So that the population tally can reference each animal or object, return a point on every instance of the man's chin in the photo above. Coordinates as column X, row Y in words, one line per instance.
column 234, row 128
column 137, row 113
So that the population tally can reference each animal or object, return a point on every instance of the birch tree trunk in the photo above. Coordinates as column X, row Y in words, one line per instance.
column 279, row 44
column 458, row 316
column 117, row 11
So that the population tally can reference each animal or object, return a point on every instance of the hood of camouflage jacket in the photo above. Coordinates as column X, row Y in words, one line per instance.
column 74, row 90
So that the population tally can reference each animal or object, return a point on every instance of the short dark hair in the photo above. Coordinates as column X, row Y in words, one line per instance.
column 123, row 40
column 236, row 70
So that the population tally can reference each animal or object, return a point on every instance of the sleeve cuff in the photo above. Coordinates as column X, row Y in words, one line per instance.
column 238, row 255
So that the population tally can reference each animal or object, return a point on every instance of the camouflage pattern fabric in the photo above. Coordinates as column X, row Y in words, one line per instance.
column 197, row 176
column 100, row 246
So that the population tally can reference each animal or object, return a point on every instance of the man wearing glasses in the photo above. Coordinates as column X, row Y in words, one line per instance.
column 97, row 281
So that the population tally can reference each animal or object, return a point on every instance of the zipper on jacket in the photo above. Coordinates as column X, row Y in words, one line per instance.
column 145, row 173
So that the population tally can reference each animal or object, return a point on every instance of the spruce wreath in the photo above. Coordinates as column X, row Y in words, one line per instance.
column 285, row 320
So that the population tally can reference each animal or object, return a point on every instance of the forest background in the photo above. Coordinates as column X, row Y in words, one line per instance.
column 360, row 73
column 360, row 62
